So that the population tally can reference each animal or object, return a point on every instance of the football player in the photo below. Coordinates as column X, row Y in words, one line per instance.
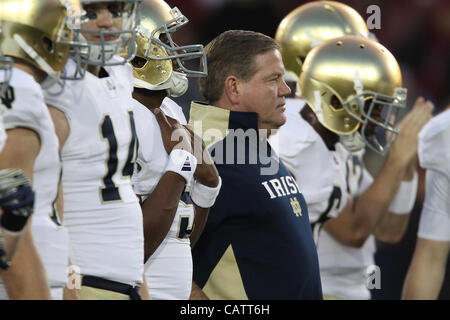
column 377, row 207
column 427, row 270
column 169, row 268
column 17, row 198
column 352, row 90
column 40, row 49
column 96, row 126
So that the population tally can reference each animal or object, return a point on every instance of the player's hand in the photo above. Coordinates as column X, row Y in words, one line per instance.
column 404, row 150
column 174, row 135
column 206, row 172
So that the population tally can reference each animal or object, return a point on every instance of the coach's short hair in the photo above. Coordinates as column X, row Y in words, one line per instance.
column 232, row 53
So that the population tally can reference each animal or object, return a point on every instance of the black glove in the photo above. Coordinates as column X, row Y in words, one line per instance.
column 16, row 199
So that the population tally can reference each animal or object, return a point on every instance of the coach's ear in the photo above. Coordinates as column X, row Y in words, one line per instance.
column 231, row 90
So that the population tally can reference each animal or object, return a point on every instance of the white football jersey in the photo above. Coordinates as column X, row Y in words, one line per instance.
column 434, row 144
column 173, row 110
column 343, row 268
column 30, row 111
column 307, row 158
column 101, row 210
column 434, row 155
column 169, row 270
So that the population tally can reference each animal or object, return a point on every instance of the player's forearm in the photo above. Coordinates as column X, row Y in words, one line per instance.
column 344, row 230
column 156, row 229
column 210, row 177
column 359, row 218
column 201, row 215
column 373, row 204
column 26, row 279
column 159, row 210
column 426, row 272
column 391, row 227
column 423, row 282
column 203, row 198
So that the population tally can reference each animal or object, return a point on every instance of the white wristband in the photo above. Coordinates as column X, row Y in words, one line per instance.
column 183, row 163
column 204, row 196
column 405, row 197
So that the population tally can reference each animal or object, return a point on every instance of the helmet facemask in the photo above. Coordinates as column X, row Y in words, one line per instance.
column 102, row 52
column 378, row 114
column 162, row 37
column 78, row 48
column 366, row 119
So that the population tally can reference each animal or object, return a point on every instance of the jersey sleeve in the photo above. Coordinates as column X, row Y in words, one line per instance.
column 434, row 144
column 173, row 110
column 22, row 114
column 435, row 219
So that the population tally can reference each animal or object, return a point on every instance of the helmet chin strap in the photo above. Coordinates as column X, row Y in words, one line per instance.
column 318, row 106
column 352, row 142
column 52, row 76
column 179, row 84
column 359, row 88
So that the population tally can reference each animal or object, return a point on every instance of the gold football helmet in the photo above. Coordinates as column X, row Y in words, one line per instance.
column 165, row 22
column 39, row 32
column 354, row 83
column 153, row 66
column 102, row 51
column 150, row 74
column 312, row 23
